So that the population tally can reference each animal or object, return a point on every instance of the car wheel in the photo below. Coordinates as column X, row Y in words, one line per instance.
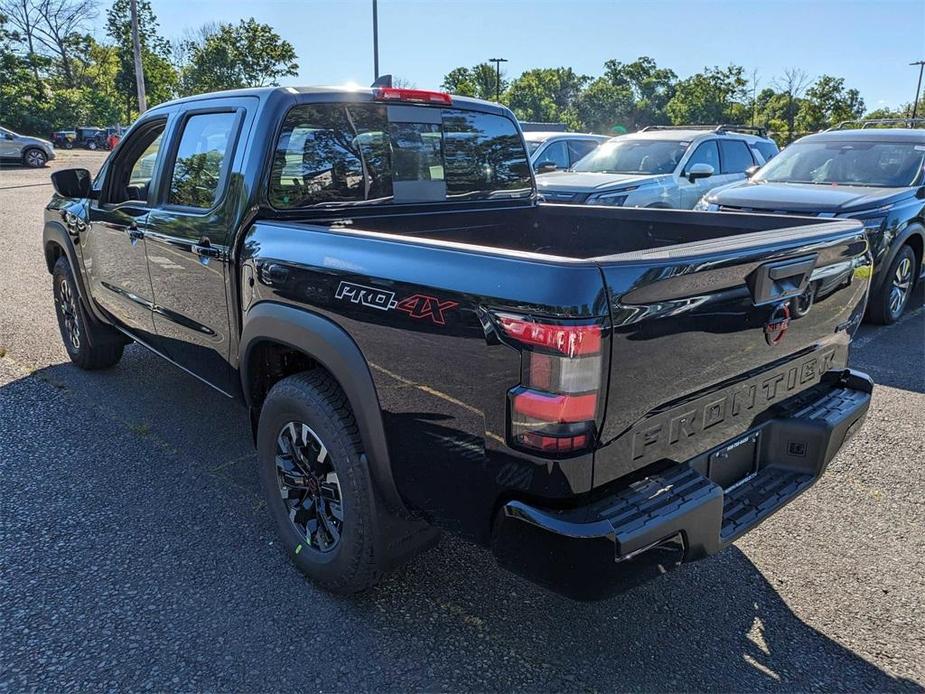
column 68, row 145
column 34, row 158
column 91, row 145
column 889, row 304
column 90, row 346
column 316, row 483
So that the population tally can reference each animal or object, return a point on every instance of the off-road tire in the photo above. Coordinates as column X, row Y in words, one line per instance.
column 316, row 400
column 94, row 346
column 879, row 309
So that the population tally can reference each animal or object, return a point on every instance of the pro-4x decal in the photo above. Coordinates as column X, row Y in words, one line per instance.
column 418, row 306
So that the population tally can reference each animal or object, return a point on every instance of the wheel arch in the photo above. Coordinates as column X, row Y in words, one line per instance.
column 57, row 243
column 270, row 328
column 913, row 235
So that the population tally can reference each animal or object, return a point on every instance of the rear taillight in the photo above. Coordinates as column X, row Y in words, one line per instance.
column 420, row 96
column 556, row 405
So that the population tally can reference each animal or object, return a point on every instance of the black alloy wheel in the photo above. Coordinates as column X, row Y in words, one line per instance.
column 66, row 306
column 309, row 486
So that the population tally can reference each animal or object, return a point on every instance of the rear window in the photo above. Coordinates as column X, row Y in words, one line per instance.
column 336, row 154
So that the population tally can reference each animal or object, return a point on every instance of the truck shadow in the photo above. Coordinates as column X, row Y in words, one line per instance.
column 452, row 614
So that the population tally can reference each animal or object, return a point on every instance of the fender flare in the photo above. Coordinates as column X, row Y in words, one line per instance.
column 55, row 234
column 914, row 228
column 331, row 346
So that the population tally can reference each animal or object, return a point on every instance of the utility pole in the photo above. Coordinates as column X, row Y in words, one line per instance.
column 497, row 62
column 375, row 40
column 139, row 69
column 915, row 104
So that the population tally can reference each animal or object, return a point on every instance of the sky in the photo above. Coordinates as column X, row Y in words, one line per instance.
column 869, row 43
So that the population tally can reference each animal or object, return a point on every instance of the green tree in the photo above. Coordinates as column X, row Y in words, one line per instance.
column 232, row 56
column 547, row 94
column 459, row 81
column 479, row 81
column 651, row 88
column 160, row 76
column 826, row 103
column 716, row 95
column 603, row 106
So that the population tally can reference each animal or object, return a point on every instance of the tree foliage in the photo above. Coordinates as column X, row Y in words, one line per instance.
column 54, row 74
column 232, row 56
column 546, row 94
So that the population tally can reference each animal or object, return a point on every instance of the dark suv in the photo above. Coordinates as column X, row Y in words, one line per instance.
column 873, row 174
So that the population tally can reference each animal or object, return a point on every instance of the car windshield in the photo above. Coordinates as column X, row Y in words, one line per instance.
column 879, row 164
column 625, row 155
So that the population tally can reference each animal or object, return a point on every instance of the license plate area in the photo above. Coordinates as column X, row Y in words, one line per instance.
column 734, row 462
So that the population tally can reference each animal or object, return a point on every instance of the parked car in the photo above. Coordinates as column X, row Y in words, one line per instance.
column 550, row 151
column 90, row 138
column 596, row 394
column 659, row 167
column 64, row 139
column 33, row 152
column 875, row 175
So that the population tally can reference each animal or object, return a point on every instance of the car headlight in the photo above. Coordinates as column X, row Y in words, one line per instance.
column 704, row 206
column 614, row 199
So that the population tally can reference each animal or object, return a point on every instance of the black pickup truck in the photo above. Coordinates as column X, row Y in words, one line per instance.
column 597, row 394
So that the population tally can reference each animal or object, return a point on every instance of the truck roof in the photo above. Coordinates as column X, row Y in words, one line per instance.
column 325, row 93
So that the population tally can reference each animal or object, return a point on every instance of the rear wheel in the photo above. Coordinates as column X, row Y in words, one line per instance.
column 316, row 483
column 34, row 158
column 890, row 302
column 90, row 345
column 91, row 145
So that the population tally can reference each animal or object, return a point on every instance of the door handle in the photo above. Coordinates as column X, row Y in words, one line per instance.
column 206, row 251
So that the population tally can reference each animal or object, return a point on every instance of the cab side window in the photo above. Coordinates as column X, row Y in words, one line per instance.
column 557, row 153
column 706, row 153
column 736, row 156
column 132, row 170
column 577, row 149
column 200, row 161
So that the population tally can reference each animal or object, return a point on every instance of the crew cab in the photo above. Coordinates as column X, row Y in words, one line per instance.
column 597, row 394
column 874, row 173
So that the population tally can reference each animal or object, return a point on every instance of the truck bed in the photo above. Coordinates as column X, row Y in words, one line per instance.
column 571, row 231
column 684, row 329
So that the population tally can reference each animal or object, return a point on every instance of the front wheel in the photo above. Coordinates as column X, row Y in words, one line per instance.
column 34, row 158
column 90, row 346
column 889, row 303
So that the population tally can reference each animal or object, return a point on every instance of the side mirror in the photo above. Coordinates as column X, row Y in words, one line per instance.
column 699, row 171
column 546, row 167
column 751, row 171
column 920, row 193
column 72, row 183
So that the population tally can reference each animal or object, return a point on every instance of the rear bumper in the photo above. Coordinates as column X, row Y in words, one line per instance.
column 683, row 512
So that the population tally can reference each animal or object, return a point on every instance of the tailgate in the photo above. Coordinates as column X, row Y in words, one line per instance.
column 709, row 336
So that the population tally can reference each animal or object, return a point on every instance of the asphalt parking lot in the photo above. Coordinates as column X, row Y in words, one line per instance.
column 136, row 553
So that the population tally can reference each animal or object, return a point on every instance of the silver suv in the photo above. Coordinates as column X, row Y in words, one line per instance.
column 660, row 166
column 29, row 151
column 551, row 151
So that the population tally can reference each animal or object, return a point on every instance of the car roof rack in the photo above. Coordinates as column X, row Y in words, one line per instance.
column 722, row 128
column 875, row 122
